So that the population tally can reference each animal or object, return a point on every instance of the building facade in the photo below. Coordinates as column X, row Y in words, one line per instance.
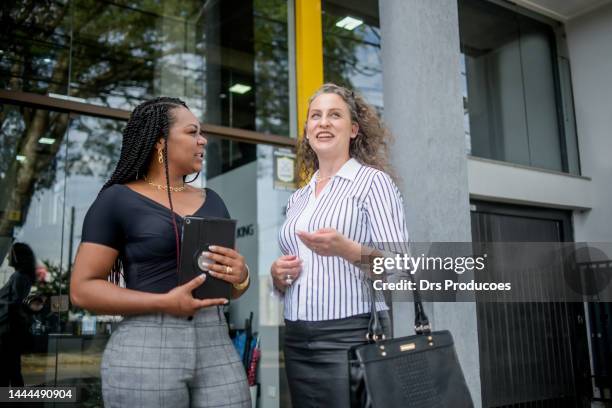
column 501, row 116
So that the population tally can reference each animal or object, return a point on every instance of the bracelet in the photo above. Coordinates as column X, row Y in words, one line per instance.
column 242, row 285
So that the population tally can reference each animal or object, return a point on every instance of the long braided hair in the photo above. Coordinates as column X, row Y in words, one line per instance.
column 148, row 122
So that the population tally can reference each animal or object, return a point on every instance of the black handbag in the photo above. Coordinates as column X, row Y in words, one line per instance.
column 409, row 372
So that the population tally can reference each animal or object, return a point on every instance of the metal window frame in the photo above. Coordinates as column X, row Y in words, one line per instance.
column 80, row 108
column 559, row 50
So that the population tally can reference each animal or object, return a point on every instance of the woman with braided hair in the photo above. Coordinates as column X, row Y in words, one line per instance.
column 170, row 350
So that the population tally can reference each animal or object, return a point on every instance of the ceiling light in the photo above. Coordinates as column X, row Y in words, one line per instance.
column 349, row 23
column 46, row 140
column 20, row 158
column 240, row 89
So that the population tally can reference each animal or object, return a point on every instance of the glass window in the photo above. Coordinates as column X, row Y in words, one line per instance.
column 252, row 198
column 510, row 87
column 227, row 59
column 351, row 47
column 53, row 166
column 35, row 47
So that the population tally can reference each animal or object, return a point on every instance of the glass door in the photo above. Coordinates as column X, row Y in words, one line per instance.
column 53, row 165
column 92, row 148
column 32, row 146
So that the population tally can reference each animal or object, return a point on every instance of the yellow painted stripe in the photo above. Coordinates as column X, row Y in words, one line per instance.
column 309, row 54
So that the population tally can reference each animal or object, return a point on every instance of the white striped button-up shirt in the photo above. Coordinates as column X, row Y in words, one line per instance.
column 363, row 204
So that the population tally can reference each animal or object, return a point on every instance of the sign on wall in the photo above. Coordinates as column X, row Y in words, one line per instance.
column 284, row 169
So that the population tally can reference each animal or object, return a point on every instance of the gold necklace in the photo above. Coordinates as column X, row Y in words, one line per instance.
column 164, row 187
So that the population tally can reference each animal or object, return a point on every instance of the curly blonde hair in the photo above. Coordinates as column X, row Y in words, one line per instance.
column 369, row 147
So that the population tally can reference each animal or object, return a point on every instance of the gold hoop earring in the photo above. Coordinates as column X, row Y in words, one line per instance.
column 160, row 156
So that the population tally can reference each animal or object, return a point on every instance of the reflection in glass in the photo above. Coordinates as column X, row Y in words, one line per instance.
column 251, row 198
column 35, row 46
column 125, row 52
column 30, row 146
column 248, row 77
column 466, row 113
column 52, row 169
column 93, row 147
column 271, row 67
column 351, row 47
column 31, row 210
column 120, row 53
column 510, row 87
column 227, row 59
column 68, row 342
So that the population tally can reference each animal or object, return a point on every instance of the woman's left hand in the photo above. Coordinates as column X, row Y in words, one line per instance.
column 229, row 264
column 329, row 242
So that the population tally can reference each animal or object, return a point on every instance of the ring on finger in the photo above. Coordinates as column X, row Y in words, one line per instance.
column 288, row 279
column 228, row 270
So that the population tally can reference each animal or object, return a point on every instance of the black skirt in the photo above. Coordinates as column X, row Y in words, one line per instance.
column 316, row 359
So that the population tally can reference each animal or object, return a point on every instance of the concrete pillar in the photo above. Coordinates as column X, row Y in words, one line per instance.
column 423, row 107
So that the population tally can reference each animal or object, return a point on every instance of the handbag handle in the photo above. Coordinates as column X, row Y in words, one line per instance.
column 421, row 321
column 375, row 329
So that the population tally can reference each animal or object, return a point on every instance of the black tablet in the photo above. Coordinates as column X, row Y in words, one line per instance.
column 198, row 234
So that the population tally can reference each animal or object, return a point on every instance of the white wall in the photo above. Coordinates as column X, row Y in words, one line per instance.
column 511, row 183
column 590, row 48
column 237, row 188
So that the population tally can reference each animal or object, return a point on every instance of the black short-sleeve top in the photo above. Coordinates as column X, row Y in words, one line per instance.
column 141, row 230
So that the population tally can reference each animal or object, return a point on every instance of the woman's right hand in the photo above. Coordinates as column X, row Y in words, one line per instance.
column 180, row 301
column 287, row 266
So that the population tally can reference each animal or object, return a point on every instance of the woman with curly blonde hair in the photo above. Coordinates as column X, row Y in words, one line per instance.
column 350, row 205
column 371, row 149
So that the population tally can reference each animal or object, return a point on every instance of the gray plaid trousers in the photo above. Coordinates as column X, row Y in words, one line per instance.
column 158, row 360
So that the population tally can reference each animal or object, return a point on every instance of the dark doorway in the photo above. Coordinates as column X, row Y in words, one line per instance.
column 531, row 354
